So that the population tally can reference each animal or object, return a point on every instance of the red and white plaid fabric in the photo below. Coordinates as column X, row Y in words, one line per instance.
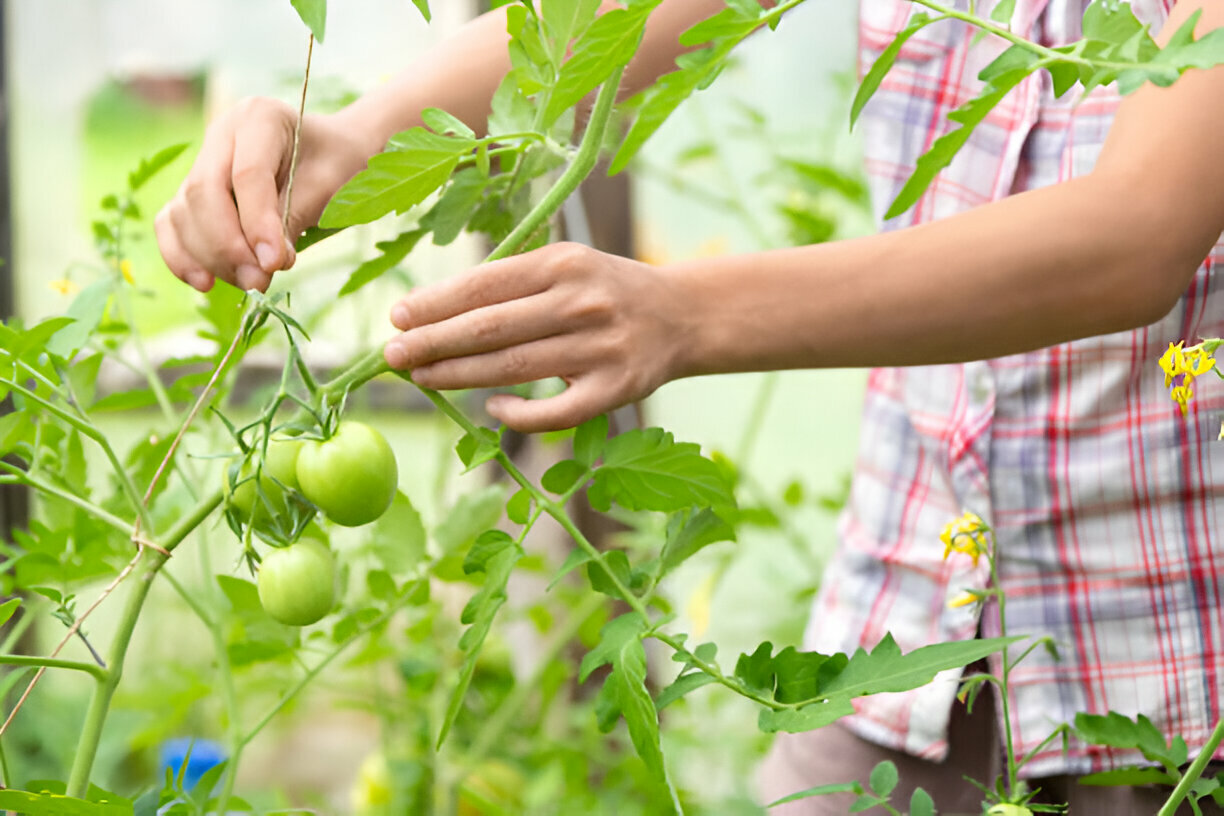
column 1107, row 502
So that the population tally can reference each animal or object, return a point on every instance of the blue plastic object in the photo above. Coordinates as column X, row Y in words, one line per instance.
column 204, row 754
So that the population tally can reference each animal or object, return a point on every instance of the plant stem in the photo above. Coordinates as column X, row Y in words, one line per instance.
column 94, row 669
column 104, row 689
column 577, row 171
column 1004, row 684
column 24, row 477
column 1195, row 771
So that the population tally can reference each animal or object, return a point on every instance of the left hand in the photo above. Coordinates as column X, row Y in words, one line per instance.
column 606, row 325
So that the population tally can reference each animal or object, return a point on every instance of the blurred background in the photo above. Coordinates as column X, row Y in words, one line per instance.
column 764, row 158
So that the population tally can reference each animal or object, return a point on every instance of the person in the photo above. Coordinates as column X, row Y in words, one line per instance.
column 1014, row 317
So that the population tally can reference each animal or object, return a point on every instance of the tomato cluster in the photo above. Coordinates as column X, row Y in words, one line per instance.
column 352, row 477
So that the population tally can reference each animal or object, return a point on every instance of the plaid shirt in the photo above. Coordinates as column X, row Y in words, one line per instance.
column 1105, row 500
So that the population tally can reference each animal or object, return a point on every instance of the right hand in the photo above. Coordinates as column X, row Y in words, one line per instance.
column 226, row 219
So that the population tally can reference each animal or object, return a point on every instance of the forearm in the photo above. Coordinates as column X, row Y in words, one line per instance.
column 1078, row 259
column 462, row 72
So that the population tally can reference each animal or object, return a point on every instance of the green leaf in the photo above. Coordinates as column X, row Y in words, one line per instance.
column 487, row 545
column 313, row 14
column 471, row 515
column 885, row 668
column 423, row 7
column 646, row 469
column 1128, row 777
column 689, row 533
column 614, row 635
column 589, row 439
column 393, row 251
column 150, row 167
column 418, row 163
column 1020, row 63
column 397, row 537
column 730, row 22
column 439, row 121
column 480, row 612
column 562, row 476
column 56, row 804
column 86, row 310
column 682, row 686
column 456, row 206
column 8, row 609
column 518, row 509
column 921, row 803
column 618, row 563
column 807, row 718
column 883, row 778
column 474, row 451
column 1002, row 13
column 609, row 43
column 820, row 790
column 575, row 559
column 629, row 676
column 564, row 20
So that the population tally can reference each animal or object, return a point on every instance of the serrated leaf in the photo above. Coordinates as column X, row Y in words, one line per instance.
column 418, row 163
column 885, row 668
column 614, row 635
column 629, row 674
column 392, row 252
column 879, row 69
column 151, row 166
column 480, row 612
column 607, row 44
column 689, row 533
column 589, row 439
column 968, row 116
column 564, row 20
column 646, row 469
column 729, row 22
column 456, row 206
column 313, row 14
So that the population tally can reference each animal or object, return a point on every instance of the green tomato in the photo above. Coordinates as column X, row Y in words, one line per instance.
column 280, row 465
column 351, row 477
column 297, row 584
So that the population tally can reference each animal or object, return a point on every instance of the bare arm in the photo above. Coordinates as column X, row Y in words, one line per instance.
column 225, row 221
column 1111, row 251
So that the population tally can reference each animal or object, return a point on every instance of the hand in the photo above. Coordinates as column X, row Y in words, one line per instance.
column 606, row 325
column 225, row 220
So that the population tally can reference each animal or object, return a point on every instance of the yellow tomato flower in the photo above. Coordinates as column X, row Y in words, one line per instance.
column 1182, row 365
column 64, row 286
column 1182, row 394
column 968, row 535
column 125, row 269
column 1172, row 362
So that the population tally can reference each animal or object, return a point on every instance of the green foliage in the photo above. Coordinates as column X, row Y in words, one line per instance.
column 313, row 14
column 646, row 469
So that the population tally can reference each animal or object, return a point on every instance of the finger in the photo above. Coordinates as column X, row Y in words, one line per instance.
column 485, row 285
column 482, row 330
column 579, row 402
column 179, row 262
column 537, row 360
column 260, row 145
column 209, row 230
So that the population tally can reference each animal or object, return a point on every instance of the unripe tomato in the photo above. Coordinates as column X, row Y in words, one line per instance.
column 1005, row 809
column 351, row 477
column 297, row 584
column 280, row 465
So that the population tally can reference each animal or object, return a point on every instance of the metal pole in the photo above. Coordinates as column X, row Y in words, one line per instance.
column 14, row 501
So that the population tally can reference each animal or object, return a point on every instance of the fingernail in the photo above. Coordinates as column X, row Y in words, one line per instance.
column 394, row 354
column 266, row 255
column 399, row 314
column 249, row 277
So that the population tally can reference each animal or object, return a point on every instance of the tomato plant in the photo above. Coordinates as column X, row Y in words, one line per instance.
column 297, row 584
column 423, row 594
column 351, row 476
